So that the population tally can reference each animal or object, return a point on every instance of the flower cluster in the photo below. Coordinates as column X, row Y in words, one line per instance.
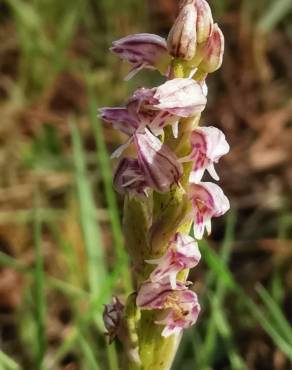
column 147, row 118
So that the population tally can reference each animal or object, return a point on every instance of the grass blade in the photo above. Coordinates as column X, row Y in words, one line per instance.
column 213, row 260
column 6, row 363
column 274, row 14
column 40, row 300
column 90, row 228
column 276, row 313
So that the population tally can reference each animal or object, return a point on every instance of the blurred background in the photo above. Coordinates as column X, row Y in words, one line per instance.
column 61, row 246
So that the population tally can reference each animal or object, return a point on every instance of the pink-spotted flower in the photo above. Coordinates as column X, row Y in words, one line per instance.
column 208, row 200
column 112, row 317
column 158, row 163
column 180, row 306
column 129, row 178
column 142, row 50
column 182, row 253
column 208, row 146
column 176, row 98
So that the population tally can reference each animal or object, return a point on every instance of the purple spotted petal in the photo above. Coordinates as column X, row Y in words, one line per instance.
column 157, row 161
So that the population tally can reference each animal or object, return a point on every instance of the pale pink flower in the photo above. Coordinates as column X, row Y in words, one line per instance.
column 182, row 253
column 142, row 50
column 158, row 163
column 208, row 146
column 183, row 316
column 180, row 305
column 158, row 107
column 208, row 200
column 182, row 97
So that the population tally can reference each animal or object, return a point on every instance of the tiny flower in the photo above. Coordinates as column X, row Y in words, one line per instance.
column 142, row 50
column 182, row 253
column 182, row 97
column 120, row 118
column 208, row 200
column 182, row 38
column 183, row 316
column 213, row 51
column 208, row 146
column 112, row 317
column 181, row 305
column 159, row 164
column 129, row 178
column 165, row 104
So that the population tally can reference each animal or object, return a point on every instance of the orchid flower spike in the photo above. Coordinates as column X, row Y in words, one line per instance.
column 182, row 253
column 180, row 305
column 208, row 200
column 142, row 50
column 208, row 146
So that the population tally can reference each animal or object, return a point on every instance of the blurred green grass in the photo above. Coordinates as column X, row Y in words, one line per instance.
column 46, row 31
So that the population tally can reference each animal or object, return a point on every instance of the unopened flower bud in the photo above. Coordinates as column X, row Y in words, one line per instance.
column 204, row 20
column 213, row 51
column 182, row 38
